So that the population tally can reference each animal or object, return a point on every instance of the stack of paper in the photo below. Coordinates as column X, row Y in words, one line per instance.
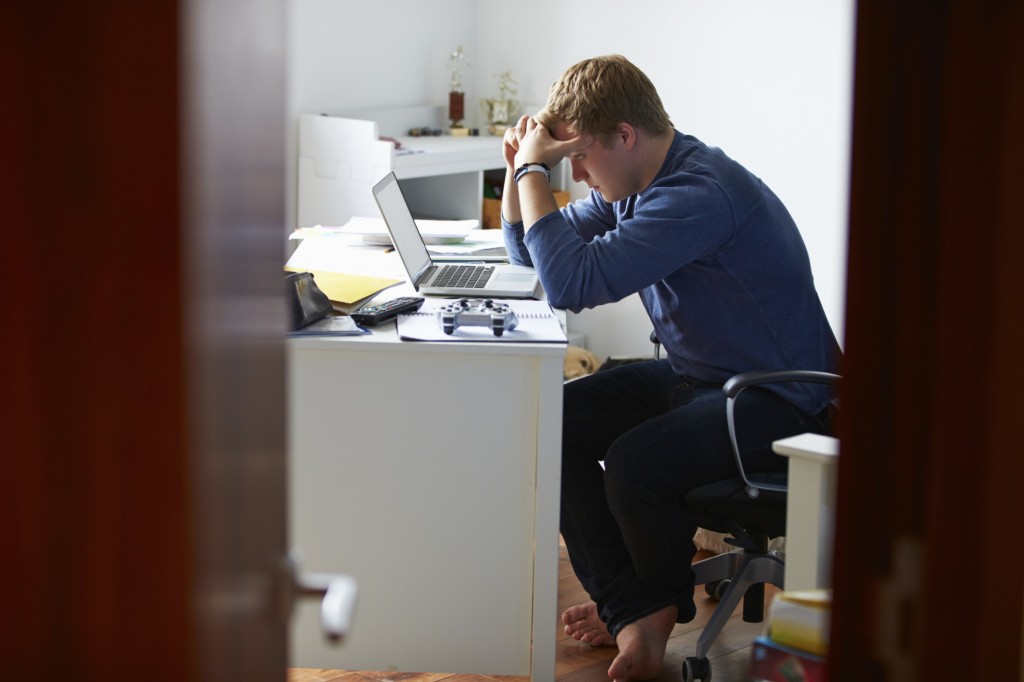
column 374, row 231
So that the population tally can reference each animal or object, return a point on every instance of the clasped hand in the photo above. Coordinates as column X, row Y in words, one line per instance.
column 530, row 142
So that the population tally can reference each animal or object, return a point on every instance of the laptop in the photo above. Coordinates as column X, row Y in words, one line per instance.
column 434, row 278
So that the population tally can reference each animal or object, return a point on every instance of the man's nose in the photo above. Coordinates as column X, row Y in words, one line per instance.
column 578, row 174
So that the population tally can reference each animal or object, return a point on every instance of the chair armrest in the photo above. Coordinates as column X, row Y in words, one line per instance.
column 740, row 382
column 736, row 384
column 657, row 345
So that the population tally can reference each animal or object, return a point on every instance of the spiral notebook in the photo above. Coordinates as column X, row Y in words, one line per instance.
column 537, row 324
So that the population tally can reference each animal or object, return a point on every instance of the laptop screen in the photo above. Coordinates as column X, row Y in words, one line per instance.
column 402, row 226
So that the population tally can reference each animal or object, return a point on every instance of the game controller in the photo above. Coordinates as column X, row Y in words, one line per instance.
column 477, row 313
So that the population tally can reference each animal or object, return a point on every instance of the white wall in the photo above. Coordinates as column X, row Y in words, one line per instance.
column 354, row 54
column 768, row 82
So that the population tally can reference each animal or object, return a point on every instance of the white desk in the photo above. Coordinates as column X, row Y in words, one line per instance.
column 810, row 508
column 429, row 472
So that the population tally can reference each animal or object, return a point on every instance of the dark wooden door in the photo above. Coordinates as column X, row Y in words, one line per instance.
column 927, row 577
column 142, row 359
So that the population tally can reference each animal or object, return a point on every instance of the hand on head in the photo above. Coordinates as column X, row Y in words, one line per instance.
column 510, row 146
column 530, row 142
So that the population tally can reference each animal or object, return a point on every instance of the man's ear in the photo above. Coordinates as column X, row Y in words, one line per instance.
column 626, row 134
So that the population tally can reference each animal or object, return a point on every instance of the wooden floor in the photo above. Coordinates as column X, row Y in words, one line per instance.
column 575, row 662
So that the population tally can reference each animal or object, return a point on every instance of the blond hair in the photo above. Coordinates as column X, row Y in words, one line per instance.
column 595, row 95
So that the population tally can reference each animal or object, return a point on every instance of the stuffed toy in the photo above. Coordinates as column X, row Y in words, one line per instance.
column 715, row 543
column 579, row 362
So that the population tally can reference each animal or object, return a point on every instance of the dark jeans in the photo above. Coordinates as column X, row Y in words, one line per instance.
column 660, row 435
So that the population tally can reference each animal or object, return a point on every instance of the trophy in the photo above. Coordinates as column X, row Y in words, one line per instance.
column 501, row 109
column 456, row 96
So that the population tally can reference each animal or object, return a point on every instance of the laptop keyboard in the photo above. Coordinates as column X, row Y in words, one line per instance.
column 463, row 276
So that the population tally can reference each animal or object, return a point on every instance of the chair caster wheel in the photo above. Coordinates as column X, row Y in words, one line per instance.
column 696, row 669
column 716, row 588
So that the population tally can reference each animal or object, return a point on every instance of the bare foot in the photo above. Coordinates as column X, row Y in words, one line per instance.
column 642, row 646
column 584, row 625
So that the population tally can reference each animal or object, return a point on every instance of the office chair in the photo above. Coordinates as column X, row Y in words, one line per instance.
column 752, row 508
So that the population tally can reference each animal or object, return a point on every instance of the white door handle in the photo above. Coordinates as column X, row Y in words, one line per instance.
column 337, row 594
column 338, row 601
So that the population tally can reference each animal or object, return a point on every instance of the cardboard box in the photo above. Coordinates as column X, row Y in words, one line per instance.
column 492, row 213
column 492, row 209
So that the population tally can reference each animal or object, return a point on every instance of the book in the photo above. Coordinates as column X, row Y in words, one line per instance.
column 773, row 662
column 800, row 619
column 537, row 323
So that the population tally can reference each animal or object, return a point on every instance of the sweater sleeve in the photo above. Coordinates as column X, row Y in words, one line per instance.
column 587, row 255
column 512, row 233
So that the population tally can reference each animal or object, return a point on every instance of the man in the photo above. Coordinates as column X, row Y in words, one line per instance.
column 725, row 277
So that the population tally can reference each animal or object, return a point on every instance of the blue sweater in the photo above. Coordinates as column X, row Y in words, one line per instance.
column 716, row 258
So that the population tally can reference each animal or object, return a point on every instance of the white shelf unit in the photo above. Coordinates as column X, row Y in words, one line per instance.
column 342, row 156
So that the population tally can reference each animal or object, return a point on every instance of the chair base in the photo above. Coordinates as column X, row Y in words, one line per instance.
column 745, row 569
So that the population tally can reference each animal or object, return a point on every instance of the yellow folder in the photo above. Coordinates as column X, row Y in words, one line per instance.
column 347, row 289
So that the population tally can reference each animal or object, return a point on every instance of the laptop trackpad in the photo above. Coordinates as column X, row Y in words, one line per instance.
column 512, row 277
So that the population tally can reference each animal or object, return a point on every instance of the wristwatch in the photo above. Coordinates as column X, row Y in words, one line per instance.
column 532, row 168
